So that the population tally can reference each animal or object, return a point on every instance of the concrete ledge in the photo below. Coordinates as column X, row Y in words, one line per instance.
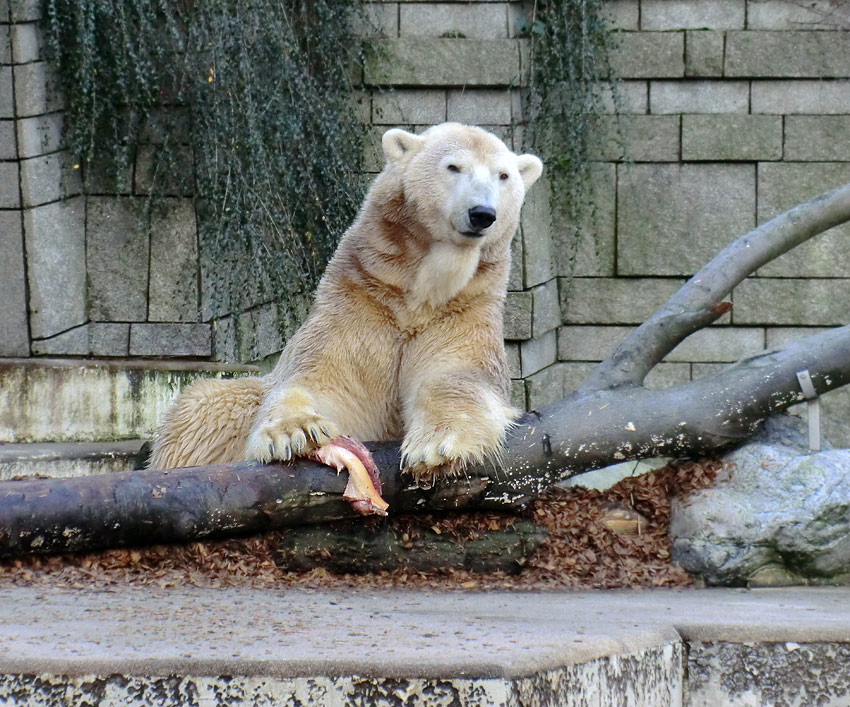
column 64, row 400
column 206, row 647
column 68, row 459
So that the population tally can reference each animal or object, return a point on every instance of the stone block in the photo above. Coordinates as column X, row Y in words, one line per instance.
column 589, row 249
column 472, row 20
column 55, row 237
column 170, row 340
column 7, row 94
column 8, row 144
column 409, row 107
column 731, row 136
column 545, row 308
column 635, row 138
column 479, row 106
column 782, row 336
column 575, row 374
column 721, row 344
column 5, row 40
column 644, row 55
column 704, row 53
column 109, row 339
column 545, row 387
column 14, row 339
column 791, row 301
column 622, row 14
column 36, row 89
column 49, row 178
column 609, row 300
column 27, row 42
column 373, row 153
column 512, row 359
column 672, row 218
column 25, row 10
column 74, row 342
column 801, row 54
column 687, row 14
column 224, row 339
column 378, row 19
column 784, row 185
column 801, row 97
column 516, row 276
column 10, row 194
column 39, row 135
column 535, row 354
column 817, row 137
column 784, row 15
column 589, row 343
column 118, row 251
column 172, row 183
column 517, row 394
column 518, row 308
column 665, row 375
column 445, row 62
column 536, row 235
column 624, row 97
column 258, row 333
column 699, row 97
column 173, row 286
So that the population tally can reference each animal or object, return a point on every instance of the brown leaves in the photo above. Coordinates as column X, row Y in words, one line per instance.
column 613, row 539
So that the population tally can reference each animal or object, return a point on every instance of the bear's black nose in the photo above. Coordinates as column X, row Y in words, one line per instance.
column 481, row 217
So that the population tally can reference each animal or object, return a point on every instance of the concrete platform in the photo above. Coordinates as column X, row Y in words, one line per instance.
column 69, row 459
column 93, row 400
column 194, row 646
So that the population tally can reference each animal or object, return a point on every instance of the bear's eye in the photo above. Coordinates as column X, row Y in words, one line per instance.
column 453, row 168
column 503, row 176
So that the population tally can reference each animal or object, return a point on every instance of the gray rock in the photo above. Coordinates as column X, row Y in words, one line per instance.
column 776, row 511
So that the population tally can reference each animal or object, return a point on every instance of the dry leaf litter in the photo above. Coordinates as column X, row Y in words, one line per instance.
column 615, row 538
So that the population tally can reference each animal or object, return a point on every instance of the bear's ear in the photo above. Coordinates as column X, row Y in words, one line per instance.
column 400, row 145
column 530, row 168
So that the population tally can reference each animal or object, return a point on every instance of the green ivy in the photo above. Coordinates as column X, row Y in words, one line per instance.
column 257, row 96
column 569, row 45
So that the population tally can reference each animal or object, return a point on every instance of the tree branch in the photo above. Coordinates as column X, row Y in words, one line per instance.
column 699, row 301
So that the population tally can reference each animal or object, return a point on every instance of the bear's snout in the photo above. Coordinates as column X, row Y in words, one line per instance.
column 481, row 217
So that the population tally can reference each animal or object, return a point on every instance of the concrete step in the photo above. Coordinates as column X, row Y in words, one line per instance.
column 94, row 400
column 65, row 459
column 236, row 646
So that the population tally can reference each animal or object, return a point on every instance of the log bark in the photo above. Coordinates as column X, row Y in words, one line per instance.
column 610, row 418
column 358, row 548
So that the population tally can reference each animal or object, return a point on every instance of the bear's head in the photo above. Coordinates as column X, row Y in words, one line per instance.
column 463, row 183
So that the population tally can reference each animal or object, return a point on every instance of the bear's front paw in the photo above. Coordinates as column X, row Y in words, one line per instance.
column 287, row 431
column 429, row 456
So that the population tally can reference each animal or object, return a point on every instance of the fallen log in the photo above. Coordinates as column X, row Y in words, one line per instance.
column 359, row 548
column 612, row 417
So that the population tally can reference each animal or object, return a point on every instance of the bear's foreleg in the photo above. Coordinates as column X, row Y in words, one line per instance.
column 452, row 420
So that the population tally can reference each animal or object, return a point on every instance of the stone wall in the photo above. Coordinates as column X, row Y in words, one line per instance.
column 730, row 112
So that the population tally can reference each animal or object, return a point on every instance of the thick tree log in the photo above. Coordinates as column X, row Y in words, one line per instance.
column 357, row 548
column 610, row 418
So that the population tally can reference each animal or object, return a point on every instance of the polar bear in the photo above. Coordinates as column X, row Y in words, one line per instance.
column 404, row 339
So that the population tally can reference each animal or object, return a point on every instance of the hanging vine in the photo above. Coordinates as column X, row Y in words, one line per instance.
column 257, row 96
column 569, row 75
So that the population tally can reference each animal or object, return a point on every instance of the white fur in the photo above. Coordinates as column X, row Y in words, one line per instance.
column 443, row 272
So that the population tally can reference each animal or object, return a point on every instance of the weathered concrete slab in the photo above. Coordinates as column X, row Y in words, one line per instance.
column 201, row 646
column 65, row 400
column 69, row 459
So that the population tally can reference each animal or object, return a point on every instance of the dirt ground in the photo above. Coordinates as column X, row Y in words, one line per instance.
column 616, row 538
